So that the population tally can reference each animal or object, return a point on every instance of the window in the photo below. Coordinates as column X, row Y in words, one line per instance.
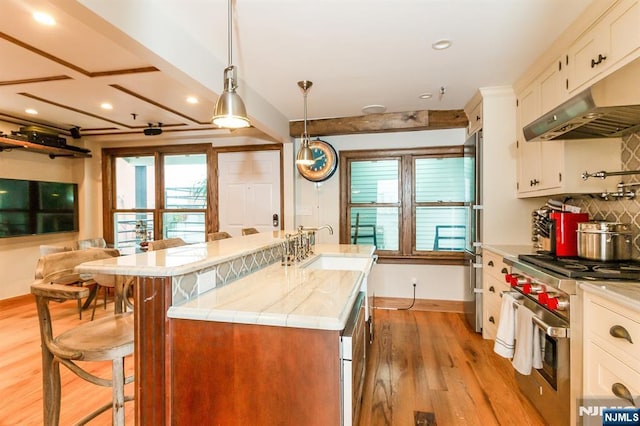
column 157, row 192
column 413, row 205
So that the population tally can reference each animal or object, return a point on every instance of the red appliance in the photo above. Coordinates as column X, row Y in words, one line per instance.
column 566, row 236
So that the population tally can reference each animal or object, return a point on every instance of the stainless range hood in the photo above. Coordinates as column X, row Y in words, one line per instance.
column 609, row 108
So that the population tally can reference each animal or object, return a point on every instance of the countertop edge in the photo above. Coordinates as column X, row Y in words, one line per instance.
column 612, row 291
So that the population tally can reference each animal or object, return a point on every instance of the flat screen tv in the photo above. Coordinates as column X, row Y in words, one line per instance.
column 30, row 207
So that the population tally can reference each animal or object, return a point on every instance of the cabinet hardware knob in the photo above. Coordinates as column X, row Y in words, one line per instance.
column 534, row 182
column 493, row 321
column 490, row 263
column 601, row 58
column 492, row 289
column 504, row 271
column 622, row 392
column 477, row 118
column 619, row 332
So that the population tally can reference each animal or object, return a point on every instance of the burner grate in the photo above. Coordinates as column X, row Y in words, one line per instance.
column 573, row 267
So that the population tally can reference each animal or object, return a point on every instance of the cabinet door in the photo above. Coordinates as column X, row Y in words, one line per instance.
column 552, row 86
column 623, row 26
column 551, row 164
column 528, row 152
column 587, row 56
column 612, row 41
column 475, row 120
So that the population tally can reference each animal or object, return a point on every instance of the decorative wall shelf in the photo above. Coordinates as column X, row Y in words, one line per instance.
column 52, row 151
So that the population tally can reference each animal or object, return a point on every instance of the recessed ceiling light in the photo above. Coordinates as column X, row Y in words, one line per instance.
column 426, row 96
column 441, row 44
column 44, row 18
column 106, row 105
column 192, row 100
column 31, row 111
column 374, row 109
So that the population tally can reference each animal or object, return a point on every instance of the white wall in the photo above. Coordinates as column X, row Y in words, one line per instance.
column 18, row 255
column 318, row 204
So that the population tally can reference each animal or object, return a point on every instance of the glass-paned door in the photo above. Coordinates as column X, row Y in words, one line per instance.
column 185, row 197
column 134, row 201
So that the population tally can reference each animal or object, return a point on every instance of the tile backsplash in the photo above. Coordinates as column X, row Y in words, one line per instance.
column 627, row 211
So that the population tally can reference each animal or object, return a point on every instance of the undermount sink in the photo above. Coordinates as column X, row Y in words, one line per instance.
column 340, row 263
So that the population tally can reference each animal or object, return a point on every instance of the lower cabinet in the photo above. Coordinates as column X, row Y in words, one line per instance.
column 611, row 349
column 493, row 284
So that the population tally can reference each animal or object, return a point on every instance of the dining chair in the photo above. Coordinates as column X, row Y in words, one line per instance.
column 121, row 286
column 164, row 244
column 215, row 236
column 249, row 231
column 89, row 243
column 59, row 268
column 107, row 339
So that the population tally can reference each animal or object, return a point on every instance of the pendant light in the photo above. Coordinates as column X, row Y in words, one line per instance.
column 230, row 112
column 305, row 155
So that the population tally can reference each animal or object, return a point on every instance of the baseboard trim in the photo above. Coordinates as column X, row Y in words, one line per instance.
column 16, row 300
column 420, row 304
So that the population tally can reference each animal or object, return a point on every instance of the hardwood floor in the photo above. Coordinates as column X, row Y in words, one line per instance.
column 431, row 365
column 21, row 366
column 423, row 365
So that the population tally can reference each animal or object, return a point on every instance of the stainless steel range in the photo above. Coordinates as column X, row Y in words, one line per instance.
column 547, row 285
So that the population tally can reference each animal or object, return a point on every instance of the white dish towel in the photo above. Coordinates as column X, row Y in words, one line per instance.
column 527, row 352
column 505, row 337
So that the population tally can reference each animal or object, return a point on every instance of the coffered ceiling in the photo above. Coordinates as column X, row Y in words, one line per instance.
column 145, row 57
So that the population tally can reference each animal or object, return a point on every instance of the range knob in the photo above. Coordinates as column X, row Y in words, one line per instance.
column 543, row 297
column 532, row 288
column 518, row 280
column 559, row 303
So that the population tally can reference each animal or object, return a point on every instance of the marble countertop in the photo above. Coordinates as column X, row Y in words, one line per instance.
column 194, row 257
column 509, row 251
column 623, row 293
column 289, row 296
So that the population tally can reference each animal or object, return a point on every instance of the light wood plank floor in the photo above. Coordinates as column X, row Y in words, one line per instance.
column 420, row 361
column 21, row 367
column 432, row 362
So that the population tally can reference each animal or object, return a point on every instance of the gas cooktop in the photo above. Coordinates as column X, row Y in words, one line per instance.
column 578, row 268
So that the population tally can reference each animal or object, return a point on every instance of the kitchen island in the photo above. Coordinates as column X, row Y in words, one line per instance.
column 225, row 334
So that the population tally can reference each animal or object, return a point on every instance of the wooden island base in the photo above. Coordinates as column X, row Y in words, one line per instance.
column 232, row 374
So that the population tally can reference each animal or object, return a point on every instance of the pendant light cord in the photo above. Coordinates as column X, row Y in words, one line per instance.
column 304, row 135
column 229, row 30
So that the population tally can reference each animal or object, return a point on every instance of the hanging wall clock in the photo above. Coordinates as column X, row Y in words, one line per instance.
column 325, row 162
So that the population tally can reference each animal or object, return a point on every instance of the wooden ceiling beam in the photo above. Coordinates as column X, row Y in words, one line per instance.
column 379, row 123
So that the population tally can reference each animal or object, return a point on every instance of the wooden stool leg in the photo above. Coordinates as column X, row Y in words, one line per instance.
column 50, row 389
column 118, row 392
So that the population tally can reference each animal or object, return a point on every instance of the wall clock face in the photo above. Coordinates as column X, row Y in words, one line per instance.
column 325, row 165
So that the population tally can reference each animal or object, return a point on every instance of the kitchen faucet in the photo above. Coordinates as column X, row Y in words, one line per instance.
column 302, row 228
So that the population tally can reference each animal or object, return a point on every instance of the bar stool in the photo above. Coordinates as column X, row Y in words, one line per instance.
column 215, row 236
column 107, row 339
column 167, row 243
column 249, row 231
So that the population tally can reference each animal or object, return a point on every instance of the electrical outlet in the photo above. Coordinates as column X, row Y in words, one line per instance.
column 414, row 281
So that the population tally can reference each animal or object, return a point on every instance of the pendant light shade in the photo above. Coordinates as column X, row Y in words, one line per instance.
column 305, row 155
column 230, row 112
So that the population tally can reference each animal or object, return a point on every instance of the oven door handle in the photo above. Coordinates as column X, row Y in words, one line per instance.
column 551, row 331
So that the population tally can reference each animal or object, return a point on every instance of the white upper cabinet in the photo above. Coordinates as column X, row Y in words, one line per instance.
column 539, row 163
column 613, row 41
column 552, row 82
column 555, row 166
column 473, row 109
